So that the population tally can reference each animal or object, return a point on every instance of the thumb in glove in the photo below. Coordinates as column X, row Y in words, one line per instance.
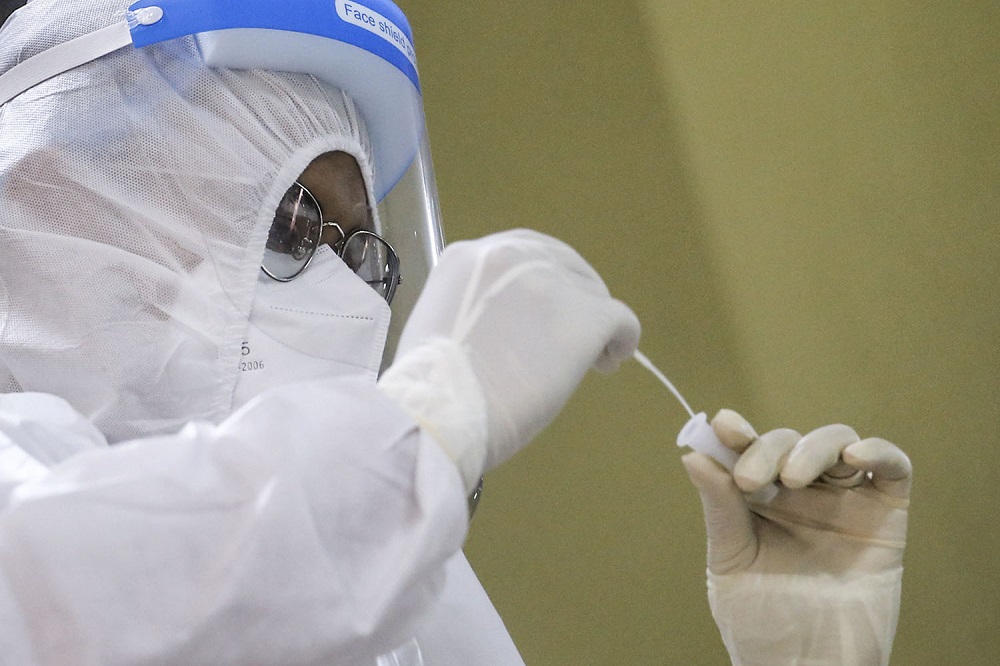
column 732, row 543
column 732, row 539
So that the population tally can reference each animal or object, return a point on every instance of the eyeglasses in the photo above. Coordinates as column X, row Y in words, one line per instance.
column 295, row 235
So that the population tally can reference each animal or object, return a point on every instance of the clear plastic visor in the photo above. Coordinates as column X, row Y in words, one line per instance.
column 410, row 221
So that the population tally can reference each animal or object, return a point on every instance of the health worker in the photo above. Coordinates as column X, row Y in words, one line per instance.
column 246, row 393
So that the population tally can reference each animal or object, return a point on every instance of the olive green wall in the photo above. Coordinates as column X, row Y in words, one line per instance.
column 800, row 201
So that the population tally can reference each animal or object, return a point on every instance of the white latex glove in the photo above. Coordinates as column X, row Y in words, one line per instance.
column 503, row 332
column 812, row 576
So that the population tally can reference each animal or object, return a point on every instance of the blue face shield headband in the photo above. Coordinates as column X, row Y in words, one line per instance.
column 364, row 48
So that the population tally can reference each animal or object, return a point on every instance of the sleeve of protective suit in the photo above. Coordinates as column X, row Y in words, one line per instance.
column 311, row 527
column 811, row 572
column 504, row 331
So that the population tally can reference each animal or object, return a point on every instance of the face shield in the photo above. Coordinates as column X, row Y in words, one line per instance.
column 362, row 48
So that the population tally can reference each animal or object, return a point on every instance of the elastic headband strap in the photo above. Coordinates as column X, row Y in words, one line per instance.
column 62, row 58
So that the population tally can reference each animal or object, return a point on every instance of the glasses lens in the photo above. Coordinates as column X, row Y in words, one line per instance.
column 374, row 261
column 294, row 234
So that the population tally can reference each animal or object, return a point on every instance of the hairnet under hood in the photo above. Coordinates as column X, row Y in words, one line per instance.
column 135, row 197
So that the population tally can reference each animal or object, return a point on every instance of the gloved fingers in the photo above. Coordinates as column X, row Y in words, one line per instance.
column 491, row 257
column 817, row 453
column 843, row 475
column 569, row 282
column 732, row 540
column 510, row 250
column 890, row 468
column 734, row 431
column 558, row 252
column 762, row 462
column 623, row 338
column 472, row 273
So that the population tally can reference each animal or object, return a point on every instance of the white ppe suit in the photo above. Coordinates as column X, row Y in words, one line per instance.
column 318, row 525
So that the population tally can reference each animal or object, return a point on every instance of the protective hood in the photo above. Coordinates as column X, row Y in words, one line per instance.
column 136, row 192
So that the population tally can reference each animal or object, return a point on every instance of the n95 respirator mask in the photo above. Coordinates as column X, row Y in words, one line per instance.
column 325, row 323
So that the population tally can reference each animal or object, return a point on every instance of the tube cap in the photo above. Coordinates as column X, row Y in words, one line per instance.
column 698, row 435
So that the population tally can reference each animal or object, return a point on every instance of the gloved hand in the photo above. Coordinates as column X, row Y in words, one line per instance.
column 812, row 575
column 502, row 334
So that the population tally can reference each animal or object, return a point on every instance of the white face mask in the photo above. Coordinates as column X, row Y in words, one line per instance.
column 325, row 323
